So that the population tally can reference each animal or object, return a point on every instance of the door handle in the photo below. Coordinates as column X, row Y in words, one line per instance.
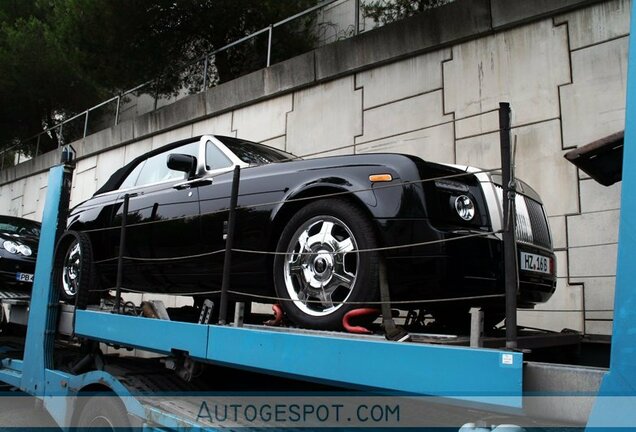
column 193, row 183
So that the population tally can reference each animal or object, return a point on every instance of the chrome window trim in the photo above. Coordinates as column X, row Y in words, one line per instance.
column 133, row 188
column 145, row 186
column 226, row 151
column 200, row 171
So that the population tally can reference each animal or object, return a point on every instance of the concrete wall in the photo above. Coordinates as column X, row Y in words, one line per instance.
column 427, row 89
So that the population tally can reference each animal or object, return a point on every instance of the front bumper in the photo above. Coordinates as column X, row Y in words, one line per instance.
column 465, row 267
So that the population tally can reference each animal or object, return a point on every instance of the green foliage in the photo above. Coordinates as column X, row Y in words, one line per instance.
column 386, row 11
column 59, row 57
column 35, row 75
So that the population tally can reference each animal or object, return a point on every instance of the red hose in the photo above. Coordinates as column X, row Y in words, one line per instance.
column 278, row 316
column 358, row 313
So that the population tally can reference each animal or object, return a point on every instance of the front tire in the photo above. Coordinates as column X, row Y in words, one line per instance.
column 105, row 413
column 321, row 271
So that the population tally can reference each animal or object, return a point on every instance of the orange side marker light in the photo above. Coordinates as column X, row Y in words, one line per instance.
column 380, row 178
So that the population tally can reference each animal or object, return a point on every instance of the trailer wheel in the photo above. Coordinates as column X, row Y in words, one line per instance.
column 104, row 412
column 73, row 269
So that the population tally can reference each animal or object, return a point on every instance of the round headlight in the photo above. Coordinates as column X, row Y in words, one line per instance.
column 24, row 250
column 17, row 248
column 465, row 207
column 10, row 247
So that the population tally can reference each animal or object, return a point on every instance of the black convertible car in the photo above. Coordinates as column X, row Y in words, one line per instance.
column 18, row 248
column 324, row 216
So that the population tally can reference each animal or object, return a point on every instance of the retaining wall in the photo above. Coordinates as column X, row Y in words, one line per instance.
column 406, row 88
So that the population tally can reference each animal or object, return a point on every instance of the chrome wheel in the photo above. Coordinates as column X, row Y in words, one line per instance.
column 320, row 268
column 71, row 269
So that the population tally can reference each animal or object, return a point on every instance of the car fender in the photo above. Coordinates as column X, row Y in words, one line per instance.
column 354, row 188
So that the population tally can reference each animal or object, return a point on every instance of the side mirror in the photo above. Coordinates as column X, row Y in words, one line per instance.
column 183, row 162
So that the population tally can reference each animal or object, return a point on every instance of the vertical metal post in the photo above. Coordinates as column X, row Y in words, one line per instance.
column 357, row 17
column 60, row 140
column 86, row 124
column 37, row 145
column 117, row 110
column 41, row 331
column 205, row 73
column 239, row 314
column 229, row 244
column 269, row 44
column 156, row 94
column 120, row 257
column 613, row 408
column 511, row 278
column 476, row 327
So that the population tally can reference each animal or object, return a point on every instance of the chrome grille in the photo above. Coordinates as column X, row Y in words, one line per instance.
column 523, row 228
column 532, row 225
column 539, row 224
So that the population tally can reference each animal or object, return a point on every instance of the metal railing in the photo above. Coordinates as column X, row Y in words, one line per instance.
column 331, row 27
column 80, row 125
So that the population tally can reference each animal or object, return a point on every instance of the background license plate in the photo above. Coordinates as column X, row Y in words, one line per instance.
column 536, row 263
column 24, row 277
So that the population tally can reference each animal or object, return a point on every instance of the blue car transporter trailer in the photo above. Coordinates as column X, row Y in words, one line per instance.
column 454, row 372
column 471, row 375
column 416, row 368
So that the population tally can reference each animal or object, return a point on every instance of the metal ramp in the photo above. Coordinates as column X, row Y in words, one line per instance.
column 14, row 295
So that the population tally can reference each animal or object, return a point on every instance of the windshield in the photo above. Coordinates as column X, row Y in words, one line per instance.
column 253, row 153
column 13, row 225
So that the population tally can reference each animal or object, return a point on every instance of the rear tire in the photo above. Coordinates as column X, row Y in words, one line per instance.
column 73, row 268
column 321, row 269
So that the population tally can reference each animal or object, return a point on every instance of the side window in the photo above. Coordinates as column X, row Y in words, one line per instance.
column 155, row 169
column 215, row 158
column 132, row 177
